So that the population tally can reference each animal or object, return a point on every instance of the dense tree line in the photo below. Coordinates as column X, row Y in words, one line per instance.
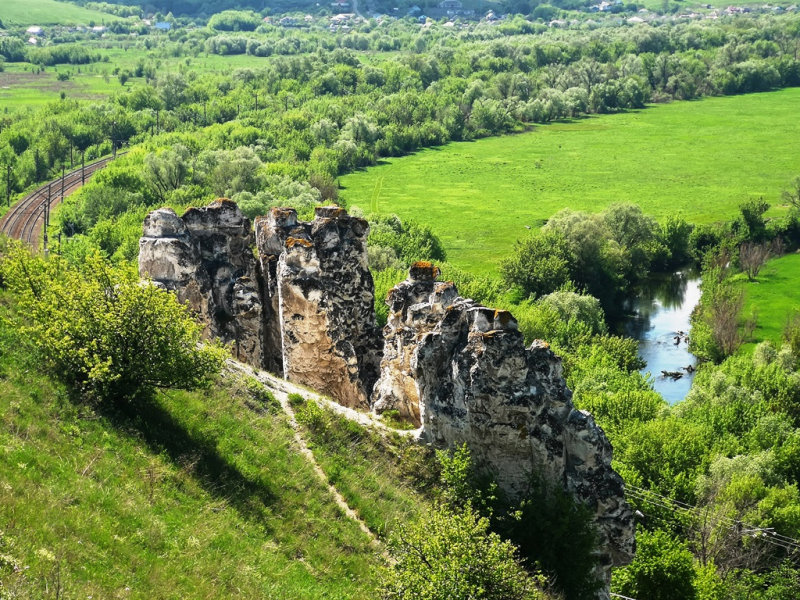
column 15, row 50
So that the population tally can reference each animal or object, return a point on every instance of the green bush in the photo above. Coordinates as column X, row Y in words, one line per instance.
column 450, row 554
column 296, row 400
column 662, row 570
column 540, row 264
column 102, row 332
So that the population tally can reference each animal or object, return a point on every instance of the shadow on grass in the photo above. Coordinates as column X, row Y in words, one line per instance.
column 196, row 454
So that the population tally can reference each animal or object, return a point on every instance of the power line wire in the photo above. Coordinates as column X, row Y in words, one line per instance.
column 744, row 529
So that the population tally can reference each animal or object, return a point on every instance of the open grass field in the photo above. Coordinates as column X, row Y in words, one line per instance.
column 775, row 295
column 49, row 12
column 699, row 159
column 21, row 88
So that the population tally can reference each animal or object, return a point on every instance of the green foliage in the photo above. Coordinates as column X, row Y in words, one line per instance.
column 751, row 225
column 232, row 20
column 550, row 528
column 558, row 534
column 209, row 481
column 384, row 281
column 675, row 235
column 776, row 299
column 662, row 570
column 386, row 480
column 102, row 333
column 581, row 307
column 719, row 327
column 601, row 254
column 278, row 190
column 462, row 485
column 296, row 400
column 409, row 240
column 539, row 171
column 540, row 264
column 166, row 171
column 393, row 419
column 665, row 455
column 452, row 555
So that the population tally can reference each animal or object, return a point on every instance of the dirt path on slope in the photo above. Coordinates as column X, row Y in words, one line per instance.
column 281, row 389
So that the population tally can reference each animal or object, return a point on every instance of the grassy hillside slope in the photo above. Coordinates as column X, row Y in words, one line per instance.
column 700, row 159
column 49, row 12
column 196, row 495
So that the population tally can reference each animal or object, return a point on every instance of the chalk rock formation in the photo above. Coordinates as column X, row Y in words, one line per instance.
column 320, row 298
column 458, row 369
column 206, row 258
column 464, row 369
column 415, row 307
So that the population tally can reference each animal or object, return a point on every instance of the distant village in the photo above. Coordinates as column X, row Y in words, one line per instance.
column 37, row 33
column 447, row 13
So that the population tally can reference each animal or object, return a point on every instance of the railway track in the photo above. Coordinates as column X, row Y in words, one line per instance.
column 26, row 219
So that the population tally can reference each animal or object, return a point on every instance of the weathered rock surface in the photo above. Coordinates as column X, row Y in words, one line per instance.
column 325, row 310
column 464, row 370
column 206, row 258
column 305, row 308
column 415, row 307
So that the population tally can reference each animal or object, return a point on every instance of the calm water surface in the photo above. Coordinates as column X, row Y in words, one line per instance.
column 658, row 317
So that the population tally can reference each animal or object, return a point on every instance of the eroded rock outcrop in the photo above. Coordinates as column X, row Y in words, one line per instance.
column 305, row 308
column 463, row 370
column 416, row 306
column 320, row 296
column 206, row 257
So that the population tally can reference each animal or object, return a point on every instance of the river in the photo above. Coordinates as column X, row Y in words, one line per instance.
column 657, row 316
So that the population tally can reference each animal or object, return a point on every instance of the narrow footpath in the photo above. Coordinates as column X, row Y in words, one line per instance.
column 281, row 389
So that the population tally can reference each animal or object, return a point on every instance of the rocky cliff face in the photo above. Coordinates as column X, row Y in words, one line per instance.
column 321, row 296
column 305, row 308
column 463, row 371
column 206, row 258
column 460, row 370
column 415, row 307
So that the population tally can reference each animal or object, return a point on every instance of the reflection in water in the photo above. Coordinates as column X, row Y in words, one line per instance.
column 658, row 317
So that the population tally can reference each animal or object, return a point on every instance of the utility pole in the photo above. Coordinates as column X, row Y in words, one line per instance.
column 36, row 163
column 8, row 185
column 63, row 173
column 83, row 167
column 46, row 211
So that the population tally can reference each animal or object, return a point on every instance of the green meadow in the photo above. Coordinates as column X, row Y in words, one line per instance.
column 774, row 296
column 49, row 12
column 699, row 159
column 21, row 86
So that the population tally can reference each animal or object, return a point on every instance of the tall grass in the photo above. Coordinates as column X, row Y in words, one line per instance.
column 193, row 495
